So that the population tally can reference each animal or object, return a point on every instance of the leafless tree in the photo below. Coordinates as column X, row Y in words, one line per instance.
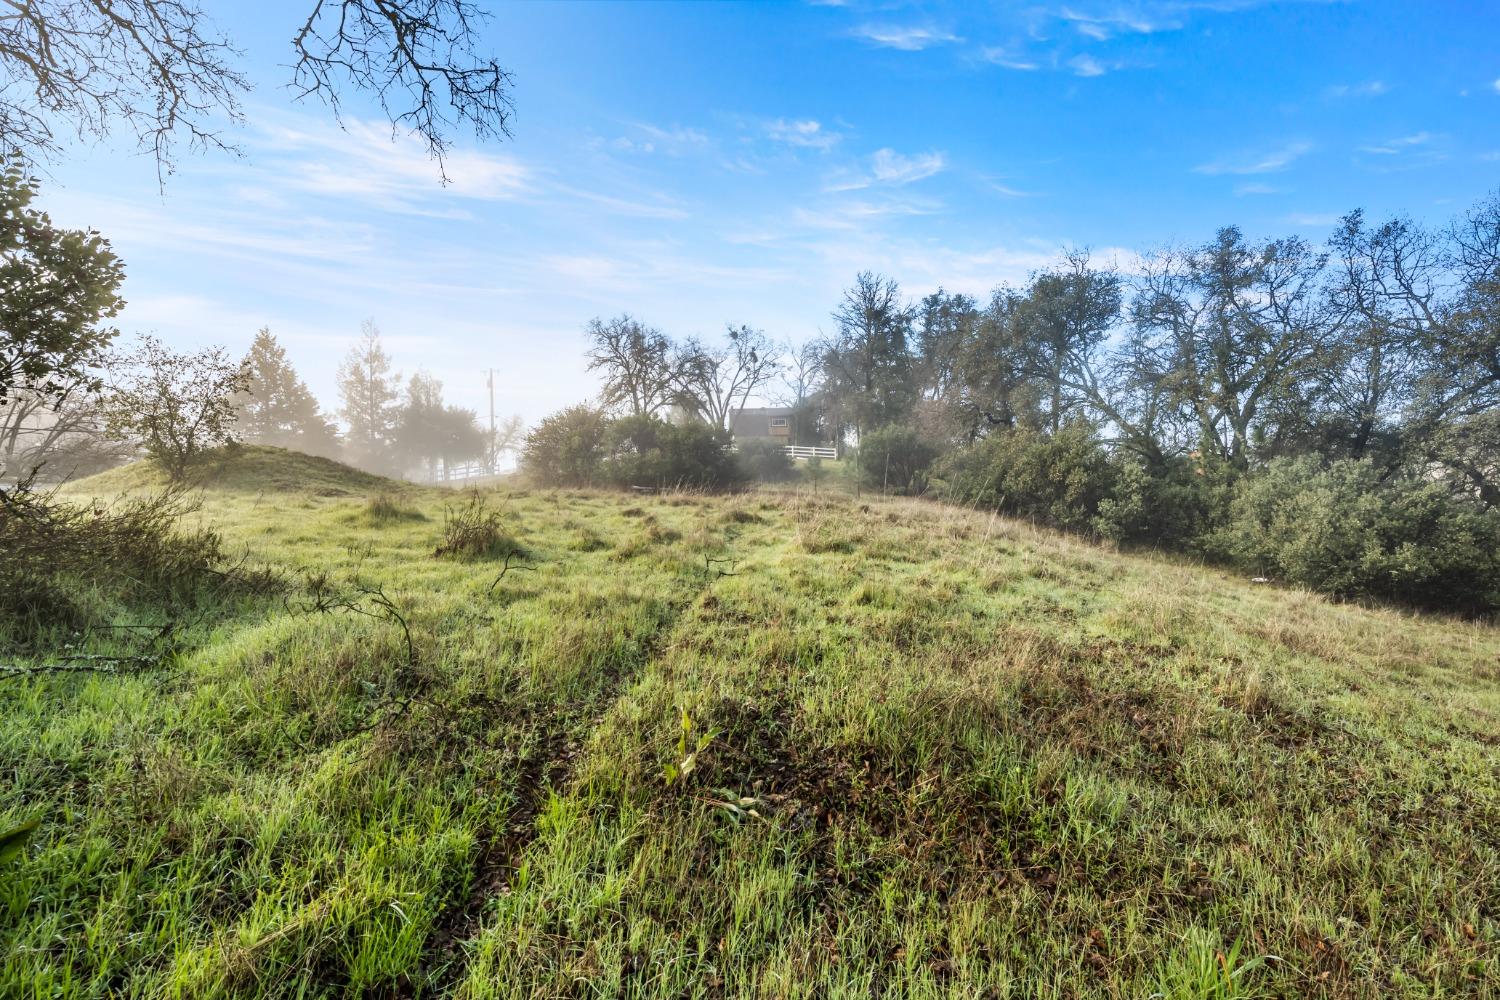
column 163, row 71
column 416, row 57
column 506, row 438
column 156, row 66
column 717, row 380
column 59, row 435
column 801, row 371
column 636, row 362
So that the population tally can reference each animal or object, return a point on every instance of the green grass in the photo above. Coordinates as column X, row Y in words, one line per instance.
column 773, row 745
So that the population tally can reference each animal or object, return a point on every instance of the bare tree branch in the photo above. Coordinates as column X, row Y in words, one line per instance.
column 415, row 57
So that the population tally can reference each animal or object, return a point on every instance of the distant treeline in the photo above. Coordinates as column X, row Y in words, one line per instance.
column 1325, row 415
column 175, row 405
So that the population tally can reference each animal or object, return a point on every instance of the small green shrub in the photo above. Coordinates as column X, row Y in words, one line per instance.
column 1177, row 504
column 815, row 472
column 648, row 451
column 765, row 461
column 66, row 567
column 582, row 447
column 895, row 460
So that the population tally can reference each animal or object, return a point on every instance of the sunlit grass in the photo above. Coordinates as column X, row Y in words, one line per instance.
column 933, row 753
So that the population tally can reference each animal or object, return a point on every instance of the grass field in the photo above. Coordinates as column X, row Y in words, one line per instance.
column 775, row 744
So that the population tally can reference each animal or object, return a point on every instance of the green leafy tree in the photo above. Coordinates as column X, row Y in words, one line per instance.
column 1064, row 317
column 57, row 287
column 176, row 405
column 1241, row 326
column 277, row 408
column 945, row 325
column 993, row 389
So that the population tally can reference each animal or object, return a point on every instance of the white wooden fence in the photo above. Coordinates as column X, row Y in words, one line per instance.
column 465, row 474
column 811, row 451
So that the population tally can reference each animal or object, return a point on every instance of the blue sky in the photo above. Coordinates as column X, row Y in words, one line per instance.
column 697, row 164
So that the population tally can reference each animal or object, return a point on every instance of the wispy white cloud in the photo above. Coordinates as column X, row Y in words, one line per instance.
column 804, row 132
column 891, row 167
column 362, row 161
column 647, row 138
column 1103, row 26
column 652, row 206
column 907, row 38
column 1400, row 144
column 1005, row 189
column 1370, row 88
column 886, row 166
column 1405, row 152
column 1264, row 163
column 1001, row 56
column 1087, row 65
column 861, row 213
column 1496, row 86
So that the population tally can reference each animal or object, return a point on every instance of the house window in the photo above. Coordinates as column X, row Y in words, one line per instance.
column 778, row 421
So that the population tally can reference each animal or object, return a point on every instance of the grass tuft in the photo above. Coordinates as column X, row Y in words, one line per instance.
column 474, row 530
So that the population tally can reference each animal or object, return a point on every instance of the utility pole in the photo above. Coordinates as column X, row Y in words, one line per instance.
column 490, row 381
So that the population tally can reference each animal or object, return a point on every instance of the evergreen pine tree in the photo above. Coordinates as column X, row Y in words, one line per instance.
column 369, row 394
column 277, row 408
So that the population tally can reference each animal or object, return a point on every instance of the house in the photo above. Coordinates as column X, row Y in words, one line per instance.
column 762, row 423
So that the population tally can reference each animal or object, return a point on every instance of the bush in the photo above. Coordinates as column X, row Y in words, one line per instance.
column 1177, row 505
column 474, row 530
column 66, row 567
column 1060, row 479
column 765, row 461
column 567, row 448
column 895, row 459
column 1344, row 530
column 649, row 451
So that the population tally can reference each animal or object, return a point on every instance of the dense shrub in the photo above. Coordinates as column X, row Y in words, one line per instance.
column 581, row 446
column 1059, row 479
column 1176, row 504
column 1347, row 531
column 649, row 451
column 765, row 461
column 567, row 448
column 895, row 460
column 66, row 567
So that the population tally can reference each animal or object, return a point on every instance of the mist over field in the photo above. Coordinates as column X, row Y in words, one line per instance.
column 822, row 500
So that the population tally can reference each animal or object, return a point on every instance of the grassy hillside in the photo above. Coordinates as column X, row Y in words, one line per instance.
column 770, row 745
column 243, row 468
